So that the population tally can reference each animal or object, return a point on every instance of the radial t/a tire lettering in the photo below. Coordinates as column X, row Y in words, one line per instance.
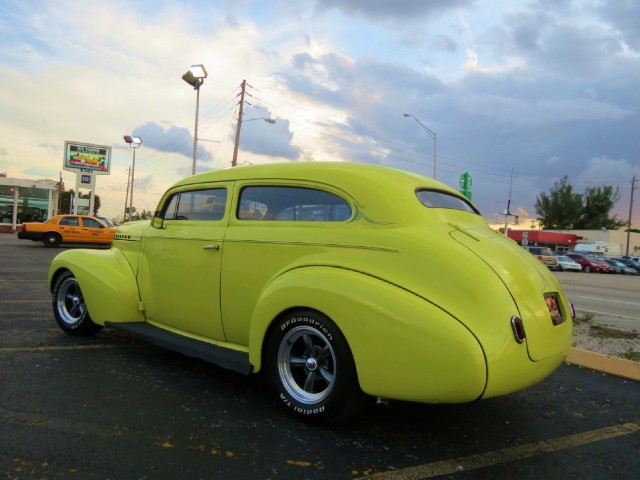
column 69, row 307
column 310, row 366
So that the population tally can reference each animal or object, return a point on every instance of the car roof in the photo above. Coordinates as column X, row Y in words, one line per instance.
column 390, row 185
column 334, row 173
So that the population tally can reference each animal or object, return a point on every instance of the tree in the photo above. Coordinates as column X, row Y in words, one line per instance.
column 598, row 202
column 65, row 201
column 562, row 208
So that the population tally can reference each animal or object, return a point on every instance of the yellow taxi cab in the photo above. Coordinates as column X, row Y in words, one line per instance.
column 67, row 229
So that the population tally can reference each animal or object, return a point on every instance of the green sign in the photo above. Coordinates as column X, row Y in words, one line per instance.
column 465, row 181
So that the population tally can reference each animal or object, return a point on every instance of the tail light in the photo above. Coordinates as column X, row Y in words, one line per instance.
column 518, row 329
column 540, row 257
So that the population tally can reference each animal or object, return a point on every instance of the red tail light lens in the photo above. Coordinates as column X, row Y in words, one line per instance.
column 518, row 329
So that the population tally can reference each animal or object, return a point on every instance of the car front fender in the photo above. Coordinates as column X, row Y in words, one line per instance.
column 403, row 346
column 107, row 282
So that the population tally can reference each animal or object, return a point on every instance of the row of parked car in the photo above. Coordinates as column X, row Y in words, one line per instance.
column 582, row 262
column 590, row 263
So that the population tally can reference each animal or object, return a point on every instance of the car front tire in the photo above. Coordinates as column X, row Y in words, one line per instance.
column 69, row 307
column 310, row 367
column 586, row 269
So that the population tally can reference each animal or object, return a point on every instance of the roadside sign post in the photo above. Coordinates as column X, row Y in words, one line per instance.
column 87, row 161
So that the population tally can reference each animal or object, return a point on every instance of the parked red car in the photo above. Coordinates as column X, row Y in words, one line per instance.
column 589, row 263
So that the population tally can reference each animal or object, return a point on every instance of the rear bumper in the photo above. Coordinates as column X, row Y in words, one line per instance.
column 26, row 235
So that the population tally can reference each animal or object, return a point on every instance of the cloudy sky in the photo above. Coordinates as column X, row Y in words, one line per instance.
column 540, row 88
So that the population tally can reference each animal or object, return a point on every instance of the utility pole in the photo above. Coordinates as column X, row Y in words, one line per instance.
column 633, row 187
column 234, row 162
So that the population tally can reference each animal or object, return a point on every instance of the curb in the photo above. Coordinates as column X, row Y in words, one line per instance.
column 604, row 363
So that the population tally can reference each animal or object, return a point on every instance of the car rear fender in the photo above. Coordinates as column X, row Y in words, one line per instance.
column 403, row 346
column 107, row 282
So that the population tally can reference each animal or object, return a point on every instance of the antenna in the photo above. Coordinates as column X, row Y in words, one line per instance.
column 508, row 211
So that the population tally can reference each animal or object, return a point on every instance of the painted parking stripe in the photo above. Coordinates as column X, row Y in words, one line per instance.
column 14, row 302
column 497, row 457
column 608, row 300
column 58, row 347
column 608, row 314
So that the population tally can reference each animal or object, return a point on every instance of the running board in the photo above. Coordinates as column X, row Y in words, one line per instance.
column 223, row 357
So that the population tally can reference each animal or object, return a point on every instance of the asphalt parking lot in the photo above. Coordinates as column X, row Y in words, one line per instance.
column 111, row 407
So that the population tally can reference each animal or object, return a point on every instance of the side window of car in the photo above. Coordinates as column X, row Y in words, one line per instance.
column 201, row 205
column 70, row 221
column 293, row 204
column 90, row 222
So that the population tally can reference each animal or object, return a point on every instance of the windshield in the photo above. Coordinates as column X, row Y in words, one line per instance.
column 439, row 199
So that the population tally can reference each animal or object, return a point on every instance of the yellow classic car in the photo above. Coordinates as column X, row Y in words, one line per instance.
column 339, row 281
column 67, row 229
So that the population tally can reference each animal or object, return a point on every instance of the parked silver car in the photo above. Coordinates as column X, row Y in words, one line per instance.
column 566, row 264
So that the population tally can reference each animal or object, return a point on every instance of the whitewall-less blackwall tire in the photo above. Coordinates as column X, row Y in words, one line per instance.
column 309, row 364
column 69, row 307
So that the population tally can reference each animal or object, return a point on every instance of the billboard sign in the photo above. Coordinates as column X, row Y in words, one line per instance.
column 87, row 157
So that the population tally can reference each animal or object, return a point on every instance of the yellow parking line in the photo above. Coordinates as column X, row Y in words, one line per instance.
column 24, row 301
column 54, row 348
column 497, row 457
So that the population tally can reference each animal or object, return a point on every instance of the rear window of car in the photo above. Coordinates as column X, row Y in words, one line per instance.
column 540, row 251
column 440, row 199
column 293, row 204
column 70, row 221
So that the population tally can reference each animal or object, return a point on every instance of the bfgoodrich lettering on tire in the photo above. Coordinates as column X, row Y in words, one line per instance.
column 69, row 307
column 310, row 366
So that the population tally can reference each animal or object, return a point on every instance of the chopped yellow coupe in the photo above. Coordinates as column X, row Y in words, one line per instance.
column 339, row 281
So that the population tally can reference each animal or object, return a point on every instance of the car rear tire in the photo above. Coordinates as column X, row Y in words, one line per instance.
column 51, row 239
column 69, row 307
column 309, row 365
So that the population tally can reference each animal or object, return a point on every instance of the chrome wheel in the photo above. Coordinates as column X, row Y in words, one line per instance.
column 307, row 365
column 69, row 302
column 69, row 306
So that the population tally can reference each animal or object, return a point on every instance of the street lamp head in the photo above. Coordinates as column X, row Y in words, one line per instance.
column 407, row 115
column 195, row 76
column 134, row 142
column 268, row 120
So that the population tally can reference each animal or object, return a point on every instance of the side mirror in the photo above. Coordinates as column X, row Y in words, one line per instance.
column 158, row 220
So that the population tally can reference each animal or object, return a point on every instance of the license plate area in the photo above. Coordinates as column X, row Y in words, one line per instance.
column 553, row 305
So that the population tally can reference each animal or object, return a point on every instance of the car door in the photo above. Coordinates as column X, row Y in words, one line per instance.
column 179, row 276
column 94, row 231
column 69, row 228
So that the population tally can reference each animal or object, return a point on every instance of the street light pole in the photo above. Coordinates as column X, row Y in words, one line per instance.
column 195, row 77
column 195, row 133
column 134, row 142
column 432, row 134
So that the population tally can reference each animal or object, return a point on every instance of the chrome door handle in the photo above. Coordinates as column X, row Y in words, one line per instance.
column 211, row 247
